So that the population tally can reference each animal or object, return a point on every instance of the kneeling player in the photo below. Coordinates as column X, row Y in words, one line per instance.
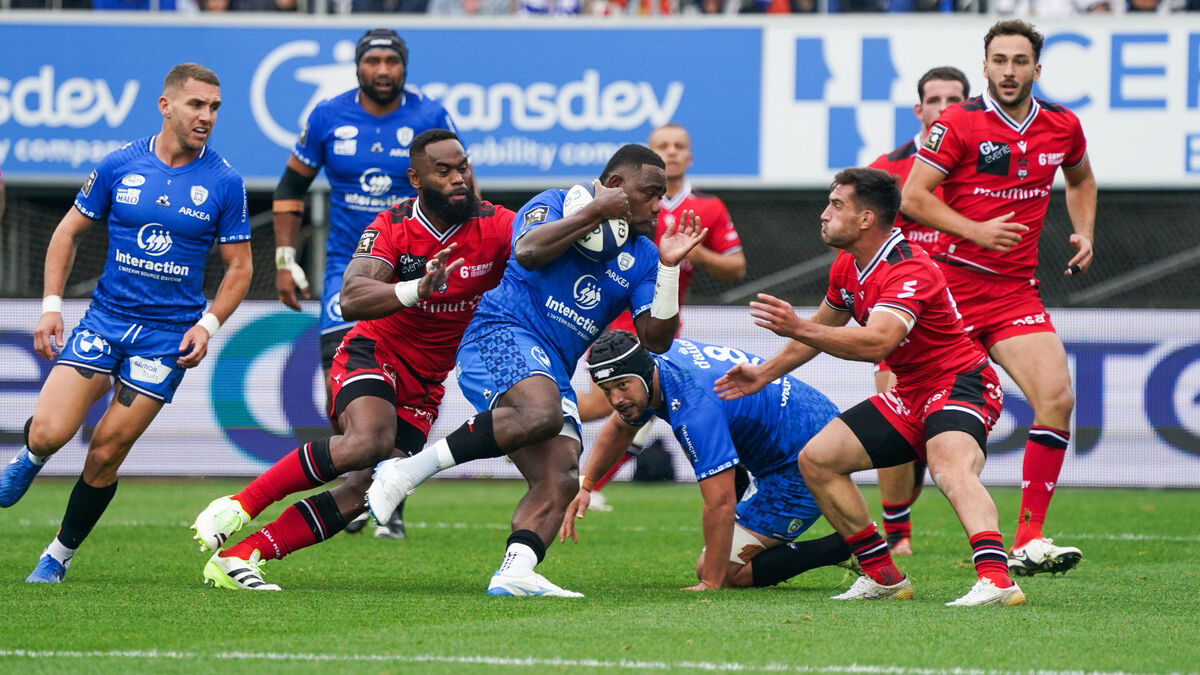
column 744, row 542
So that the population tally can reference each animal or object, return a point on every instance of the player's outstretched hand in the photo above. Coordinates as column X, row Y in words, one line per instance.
column 437, row 272
column 999, row 233
column 775, row 315
column 609, row 202
column 680, row 238
column 577, row 509
column 743, row 379
column 48, row 335
column 702, row 586
column 287, row 281
column 193, row 347
column 1083, row 257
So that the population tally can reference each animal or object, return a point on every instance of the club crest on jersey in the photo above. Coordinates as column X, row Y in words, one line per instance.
column 587, row 292
column 934, row 140
column 199, row 194
column 1022, row 168
column 993, row 158
column 366, row 243
column 625, row 261
column 536, row 215
column 404, row 135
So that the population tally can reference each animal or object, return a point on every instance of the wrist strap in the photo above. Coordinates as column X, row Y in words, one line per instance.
column 285, row 256
column 52, row 303
column 586, row 483
column 210, row 323
column 666, row 293
column 406, row 292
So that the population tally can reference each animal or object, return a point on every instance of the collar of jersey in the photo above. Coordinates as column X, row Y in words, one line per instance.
column 1004, row 117
column 403, row 99
column 674, row 202
column 419, row 214
column 880, row 255
column 154, row 139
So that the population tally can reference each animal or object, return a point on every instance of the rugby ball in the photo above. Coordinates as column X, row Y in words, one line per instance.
column 603, row 242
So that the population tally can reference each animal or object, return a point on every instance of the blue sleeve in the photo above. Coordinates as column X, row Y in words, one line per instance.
column 643, row 291
column 95, row 197
column 234, row 224
column 703, row 431
column 543, row 208
column 310, row 145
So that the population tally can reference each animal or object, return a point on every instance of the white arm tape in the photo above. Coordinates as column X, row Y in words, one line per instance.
column 285, row 259
column 406, row 292
column 666, row 293
column 210, row 323
column 52, row 303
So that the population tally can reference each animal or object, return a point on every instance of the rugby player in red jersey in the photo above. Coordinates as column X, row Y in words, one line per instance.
column 995, row 158
column 899, row 486
column 946, row 398
column 412, row 307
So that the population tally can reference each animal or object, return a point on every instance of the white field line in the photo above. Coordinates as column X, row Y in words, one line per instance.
column 531, row 662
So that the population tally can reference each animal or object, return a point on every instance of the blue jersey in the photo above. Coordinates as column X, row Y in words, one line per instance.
column 365, row 159
column 765, row 432
column 569, row 301
column 162, row 222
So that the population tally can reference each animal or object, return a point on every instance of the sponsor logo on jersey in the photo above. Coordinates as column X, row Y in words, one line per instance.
column 163, row 201
column 87, row 184
column 333, row 308
column 934, row 140
column 127, row 195
column 1014, row 193
column 1051, row 158
column 621, row 281
column 847, row 299
column 1030, row 320
column 374, row 181
column 404, row 135
column 198, row 193
column 153, row 267
column 303, row 139
column 366, row 243
column 535, row 215
column 993, row 158
column 540, row 356
column 133, row 180
column 410, row 266
column 377, row 147
column 346, row 132
column 154, row 239
column 90, row 346
column 625, row 260
column 345, row 147
column 587, row 292
column 195, row 213
column 468, row 271
column 568, row 315
column 152, row 371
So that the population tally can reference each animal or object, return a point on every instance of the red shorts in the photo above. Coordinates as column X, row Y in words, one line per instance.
column 969, row 402
column 994, row 307
column 365, row 367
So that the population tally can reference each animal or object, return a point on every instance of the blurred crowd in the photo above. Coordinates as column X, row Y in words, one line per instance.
column 1022, row 8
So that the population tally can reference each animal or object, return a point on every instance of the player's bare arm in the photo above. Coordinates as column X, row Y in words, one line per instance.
column 239, row 269
column 720, row 506
column 60, row 258
column 744, row 379
column 872, row 342
column 919, row 203
column 287, row 210
column 615, row 436
column 368, row 291
column 545, row 243
column 1081, row 207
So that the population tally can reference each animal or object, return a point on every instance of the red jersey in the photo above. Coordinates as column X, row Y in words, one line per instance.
column 994, row 165
column 722, row 237
column 899, row 163
column 426, row 335
column 903, row 279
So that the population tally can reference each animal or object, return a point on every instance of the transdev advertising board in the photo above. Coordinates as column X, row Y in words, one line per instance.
column 777, row 102
column 1136, row 374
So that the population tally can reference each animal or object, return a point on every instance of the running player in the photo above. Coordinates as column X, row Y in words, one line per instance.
column 388, row 372
column 168, row 199
column 995, row 157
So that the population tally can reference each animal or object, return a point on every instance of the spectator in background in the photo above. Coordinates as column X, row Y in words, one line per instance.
column 2, row 199
column 390, row 6
column 1053, row 8
column 264, row 5
column 186, row 6
column 471, row 7
column 551, row 7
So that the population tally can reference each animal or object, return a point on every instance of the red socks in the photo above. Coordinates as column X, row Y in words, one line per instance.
column 874, row 557
column 991, row 562
column 1044, row 454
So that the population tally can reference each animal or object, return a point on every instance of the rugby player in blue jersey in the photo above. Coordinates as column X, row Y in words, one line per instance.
column 746, row 543
column 362, row 139
column 168, row 199
column 521, row 348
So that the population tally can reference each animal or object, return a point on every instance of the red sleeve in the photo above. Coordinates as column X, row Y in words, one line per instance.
column 379, row 240
column 1078, row 145
column 881, row 162
column 945, row 145
column 722, row 236
column 911, row 285
column 833, row 296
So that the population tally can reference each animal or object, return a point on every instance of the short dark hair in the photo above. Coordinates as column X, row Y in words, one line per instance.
column 947, row 73
column 1016, row 27
column 189, row 71
column 874, row 190
column 633, row 155
column 423, row 139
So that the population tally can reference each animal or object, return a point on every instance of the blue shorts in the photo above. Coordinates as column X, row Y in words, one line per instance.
column 491, row 365
column 778, row 505
column 331, row 320
column 142, row 357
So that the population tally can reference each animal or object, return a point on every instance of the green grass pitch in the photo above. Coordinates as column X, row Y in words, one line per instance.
column 133, row 600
